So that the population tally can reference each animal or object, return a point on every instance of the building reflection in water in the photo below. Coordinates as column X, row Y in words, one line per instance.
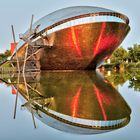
column 75, row 102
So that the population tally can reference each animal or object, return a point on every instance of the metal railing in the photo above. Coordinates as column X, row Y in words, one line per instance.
column 113, row 14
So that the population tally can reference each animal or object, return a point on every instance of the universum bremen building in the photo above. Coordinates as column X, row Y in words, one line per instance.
column 73, row 38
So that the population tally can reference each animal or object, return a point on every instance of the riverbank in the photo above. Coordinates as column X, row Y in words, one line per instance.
column 121, row 66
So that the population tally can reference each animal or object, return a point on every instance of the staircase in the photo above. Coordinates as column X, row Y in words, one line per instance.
column 32, row 63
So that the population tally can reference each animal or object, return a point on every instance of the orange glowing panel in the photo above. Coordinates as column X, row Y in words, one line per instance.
column 100, row 102
column 13, row 90
column 75, row 41
column 109, row 41
column 95, row 51
column 105, row 42
column 75, row 102
column 13, row 46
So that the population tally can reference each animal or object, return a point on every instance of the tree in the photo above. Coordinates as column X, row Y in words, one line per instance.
column 119, row 55
column 134, row 53
column 4, row 55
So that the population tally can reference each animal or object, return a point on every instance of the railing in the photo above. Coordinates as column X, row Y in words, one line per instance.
column 113, row 14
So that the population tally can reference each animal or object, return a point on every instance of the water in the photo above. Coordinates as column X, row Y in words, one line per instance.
column 70, row 105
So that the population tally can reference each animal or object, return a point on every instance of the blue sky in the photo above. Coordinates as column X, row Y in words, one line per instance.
column 18, row 13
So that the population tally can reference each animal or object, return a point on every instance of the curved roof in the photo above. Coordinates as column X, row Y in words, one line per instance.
column 67, row 13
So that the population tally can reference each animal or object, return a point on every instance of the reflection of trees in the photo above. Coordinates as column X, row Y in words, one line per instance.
column 119, row 78
column 134, row 81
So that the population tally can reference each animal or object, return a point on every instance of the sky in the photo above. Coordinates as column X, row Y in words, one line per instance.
column 19, row 13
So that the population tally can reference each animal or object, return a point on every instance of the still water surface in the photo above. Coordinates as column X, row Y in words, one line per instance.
column 70, row 105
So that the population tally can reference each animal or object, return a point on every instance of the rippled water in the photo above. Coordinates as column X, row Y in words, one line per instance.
column 70, row 105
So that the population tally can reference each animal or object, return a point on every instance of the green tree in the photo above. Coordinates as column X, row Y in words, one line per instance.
column 134, row 53
column 119, row 55
column 4, row 55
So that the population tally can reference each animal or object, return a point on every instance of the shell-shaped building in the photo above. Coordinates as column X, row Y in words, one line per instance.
column 80, row 38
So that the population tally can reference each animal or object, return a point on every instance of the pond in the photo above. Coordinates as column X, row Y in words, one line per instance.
column 70, row 105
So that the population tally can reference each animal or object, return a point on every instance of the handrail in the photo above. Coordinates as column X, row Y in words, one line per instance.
column 115, row 14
